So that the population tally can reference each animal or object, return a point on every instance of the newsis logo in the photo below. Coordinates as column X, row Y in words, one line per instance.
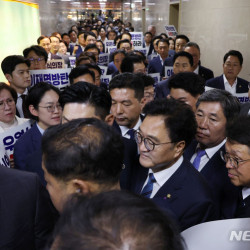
column 240, row 236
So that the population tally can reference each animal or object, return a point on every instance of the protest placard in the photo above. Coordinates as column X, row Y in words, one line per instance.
column 56, row 64
column 8, row 140
column 57, row 77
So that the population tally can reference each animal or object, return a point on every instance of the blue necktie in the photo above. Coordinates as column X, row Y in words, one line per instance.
column 197, row 159
column 131, row 133
column 147, row 190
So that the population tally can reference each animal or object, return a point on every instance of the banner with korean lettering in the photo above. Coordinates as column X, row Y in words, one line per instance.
column 168, row 71
column 242, row 97
column 56, row 64
column 156, row 76
column 171, row 30
column 106, row 79
column 137, row 39
column 57, row 77
column 103, row 59
column 8, row 140
column 108, row 44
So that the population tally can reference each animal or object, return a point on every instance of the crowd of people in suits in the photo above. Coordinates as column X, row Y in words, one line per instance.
column 131, row 163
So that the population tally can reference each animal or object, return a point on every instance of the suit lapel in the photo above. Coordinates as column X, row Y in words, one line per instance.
column 169, row 191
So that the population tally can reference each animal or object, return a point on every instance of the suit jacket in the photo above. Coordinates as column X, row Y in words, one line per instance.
column 54, row 57
column 29, row 143
column 151, row 48
column 155, row 65
column 161, row 89
column 26, row 213
column 218, row 83
column 245, row 108
column 185, row 193
column 168, row 62
column 215, row 172
column 205, row 73
column 78, row 51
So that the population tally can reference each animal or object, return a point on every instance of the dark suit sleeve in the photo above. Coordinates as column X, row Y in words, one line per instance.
column 45, row 216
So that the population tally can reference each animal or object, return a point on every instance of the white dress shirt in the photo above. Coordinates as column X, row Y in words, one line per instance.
column 209, row 154
column 162, row 176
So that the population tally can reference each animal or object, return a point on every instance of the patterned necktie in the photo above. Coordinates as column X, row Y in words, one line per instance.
column 131, row 133
column 147, row 190
column 197, row 159
column 24, row 107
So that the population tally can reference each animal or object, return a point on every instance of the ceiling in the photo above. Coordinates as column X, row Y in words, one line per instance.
column 85, row 4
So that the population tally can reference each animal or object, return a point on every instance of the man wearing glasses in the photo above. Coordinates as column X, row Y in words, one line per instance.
column 37, row 56
column 215, row 110
column 237, row 158
column 166, row 178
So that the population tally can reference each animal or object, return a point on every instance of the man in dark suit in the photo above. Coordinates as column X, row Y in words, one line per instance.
column 156, row 64
column 166, row 178
column 16, row 70
column 25, row 211
column 127, row 93
column 183, row 62
column 215, row 110
column 194, row 49
column 237, row 158
column 230, row 81
column 76, row 50
column 84, row 100
column 81, row 157
column 148, row 44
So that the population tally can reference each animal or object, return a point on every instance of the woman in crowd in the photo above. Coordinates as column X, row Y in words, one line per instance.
column 100, row 46
column 8, row 118
column 44, row 107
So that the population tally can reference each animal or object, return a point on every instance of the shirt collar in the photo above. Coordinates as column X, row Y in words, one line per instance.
column 226, row 81
column 40, row 129
column 245, row 192
column 24, row 93
column 163, row 175
column 196, row 71
column 125, row 129
column 211, row 151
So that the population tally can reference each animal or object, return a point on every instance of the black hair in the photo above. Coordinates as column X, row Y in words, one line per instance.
column 130, row 81
column 86, row 34
column 91, row 46
column 148, row 32
column 185, row 54
column 147, row 79
column 239, row 131
column 192, row 44
column 189, row 81
column 84, row 92
column 234, row 53
column 127, row 64
column 229, row 103
column 179, row 118
column 90, row 55
column 115, row 220
column 116, row 52
column 40, row 38
column 40, row 51
column 80, row 71
column 182, row 37
column 36, row 93
column 162, row 40
column 94, row 66
column 88, row 149
column 10, row 89
column 9, row 63
column 126, row 33
column 123, row 41
column 100, row 41
column 64, row 34
column 80, row 33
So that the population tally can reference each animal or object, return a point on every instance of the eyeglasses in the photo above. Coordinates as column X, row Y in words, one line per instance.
column 8, row 102
column 233, row 161
column 38, row 60
column 149, row 144
column 52, row 108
